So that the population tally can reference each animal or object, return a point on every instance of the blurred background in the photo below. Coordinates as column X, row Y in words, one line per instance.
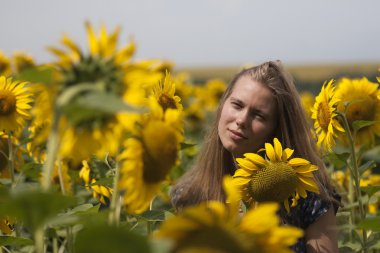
column 316, row 40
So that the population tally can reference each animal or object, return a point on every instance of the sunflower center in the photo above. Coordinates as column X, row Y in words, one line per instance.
column 324, row 116
column 275, row 182
column 362, row 110
column 160, row 151
column 167, row 102
column 7, row 103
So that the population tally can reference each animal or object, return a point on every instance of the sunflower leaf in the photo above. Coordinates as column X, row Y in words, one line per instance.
column 338, row 160
column 372, row 223
column 109, row 239
column 36, row 75
column 358, row 124
column 187, row 145
column 349, row 247
column 370, row 190
column 11, row 240
column 34, row 208
column 367, row 166
column 105, row 102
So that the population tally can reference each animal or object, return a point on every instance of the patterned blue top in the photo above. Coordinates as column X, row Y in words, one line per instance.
column 305, row 213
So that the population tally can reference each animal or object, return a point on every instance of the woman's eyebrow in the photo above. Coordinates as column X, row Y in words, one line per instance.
column 236, row 100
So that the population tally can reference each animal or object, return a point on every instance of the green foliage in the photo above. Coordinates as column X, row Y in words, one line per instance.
column 104, row 238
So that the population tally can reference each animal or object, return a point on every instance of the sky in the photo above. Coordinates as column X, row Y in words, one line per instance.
column 204, row 32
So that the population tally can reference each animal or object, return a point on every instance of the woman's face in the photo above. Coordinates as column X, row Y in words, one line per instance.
column 248, row 118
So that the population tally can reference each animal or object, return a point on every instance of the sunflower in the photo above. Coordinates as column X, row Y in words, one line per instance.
column 275, row 178
column 361, row 95
column 209, row 95
column 164, row 94
column 5, row 65
column 148, row 158
column 15, row 99
column 87, row 131
column 324, row 115
column 103, row 63
column 307, row 100
column 100, row 192
column 81, row 142
column 216, row 227
column 7, row 225
column 22, row 61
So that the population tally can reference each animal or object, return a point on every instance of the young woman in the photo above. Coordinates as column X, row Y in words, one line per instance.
column 262, row 103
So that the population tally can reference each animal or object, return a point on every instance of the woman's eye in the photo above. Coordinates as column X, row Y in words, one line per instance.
column 236, row 105
column 258, row 116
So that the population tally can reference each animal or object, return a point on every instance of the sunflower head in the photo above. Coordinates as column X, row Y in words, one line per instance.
column 359, row 101
column 325, row 116
column 103, row 63
column 275, row 178
column 164, row 92
column 5, row 65
column 15, row 99
column 23, row 61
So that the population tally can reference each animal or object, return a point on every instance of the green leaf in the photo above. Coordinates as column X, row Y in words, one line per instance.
column 370, row 190
column 338, row 160
column 372, row 223
column 34, row 208
column 75, row 215
column 187, row 145
column 103, row 238
column 349, row 247
column 161, row 245
column 358, row 124
column 11, row 240
column 153, row 215
column 32, row 169
column 105, row 102
column 40, row 74
column 367, row 166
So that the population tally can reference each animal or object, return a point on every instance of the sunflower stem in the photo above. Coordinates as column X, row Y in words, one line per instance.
column 52, row 147
column 114, row 214
column 60, row 176
column 149, row 222
column 351, row 200
column 10, row 158
column 356, row 176
column 39, row 240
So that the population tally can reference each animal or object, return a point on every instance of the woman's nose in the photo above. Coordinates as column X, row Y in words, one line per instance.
column 241, row 119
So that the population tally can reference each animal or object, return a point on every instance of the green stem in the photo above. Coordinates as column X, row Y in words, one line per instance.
column 60, row 176
column 114, row 215
column 70, row 243
column 55, row 245
column 39, row 240
column 356, row 176
column 149, row 222
column 52, row 147
column 351, row 200
column 10, row 158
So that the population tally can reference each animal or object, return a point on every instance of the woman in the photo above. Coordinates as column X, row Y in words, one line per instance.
column 262, row 103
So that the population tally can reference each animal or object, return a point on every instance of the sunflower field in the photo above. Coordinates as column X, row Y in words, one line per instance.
column 91, row 143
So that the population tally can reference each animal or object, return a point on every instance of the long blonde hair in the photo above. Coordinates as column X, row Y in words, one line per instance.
column 203, row 181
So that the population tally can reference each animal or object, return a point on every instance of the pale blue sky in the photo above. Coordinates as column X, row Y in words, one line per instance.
column 205, row 32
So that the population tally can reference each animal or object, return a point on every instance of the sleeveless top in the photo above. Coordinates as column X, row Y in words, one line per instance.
column 306, row 212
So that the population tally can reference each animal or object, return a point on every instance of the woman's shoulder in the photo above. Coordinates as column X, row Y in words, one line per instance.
column 309, row 209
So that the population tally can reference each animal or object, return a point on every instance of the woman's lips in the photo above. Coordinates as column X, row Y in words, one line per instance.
column 235, row 135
